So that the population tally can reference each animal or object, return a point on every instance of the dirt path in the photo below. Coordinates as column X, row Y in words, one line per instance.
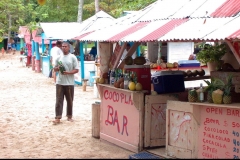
column 27, row 109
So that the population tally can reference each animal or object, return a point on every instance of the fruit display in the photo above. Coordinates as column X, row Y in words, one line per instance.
column 227, row 98
column 138, row 86
column 192, row 95
column 217, row 96
column 101, row 80
column 139, row 60
column 164, row 65
column 132, row 86
column 194, row 73
column 128, row 60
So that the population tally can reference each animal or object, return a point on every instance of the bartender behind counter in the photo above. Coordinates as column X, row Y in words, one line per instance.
column 93, row 52
column 194, row 55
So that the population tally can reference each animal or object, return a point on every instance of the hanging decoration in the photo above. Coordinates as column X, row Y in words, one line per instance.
column 41, row 2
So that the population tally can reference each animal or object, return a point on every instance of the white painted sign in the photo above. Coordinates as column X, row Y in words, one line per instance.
column 179, row 51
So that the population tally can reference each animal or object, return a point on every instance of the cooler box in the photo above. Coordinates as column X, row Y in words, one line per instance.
column 168, row 81
column 143, row 75
column 189, row 63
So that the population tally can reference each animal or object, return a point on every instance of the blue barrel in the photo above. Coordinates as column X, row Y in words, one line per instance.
column 91, row 80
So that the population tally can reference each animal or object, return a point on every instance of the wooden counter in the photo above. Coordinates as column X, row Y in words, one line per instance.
column 203, row 130
column 131, row 119
column 121, row 117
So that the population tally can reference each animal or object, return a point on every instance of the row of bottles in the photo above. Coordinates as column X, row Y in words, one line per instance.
column 116, row 74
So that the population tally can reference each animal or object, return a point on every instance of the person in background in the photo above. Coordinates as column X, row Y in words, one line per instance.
column 9, row 47
column 194, row 55
column 71, row 50
column 2, row 51
column 93, row 52
column 55, row 52
column 65, row 83
column 21, row 53
column 13, row 47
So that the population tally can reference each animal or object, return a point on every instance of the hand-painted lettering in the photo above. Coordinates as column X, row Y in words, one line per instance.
column 235, row 149
column 214, row 143
column 216, row 137
column 207, row 148
column 233, row 112
column 130, row 100
column 209, row 120
column 116, row 121
column 126, row 102
column 236, row 142
column 214, row 110
column 220, row 132
column 235, row 157
column 235, row 125
column 113, row 119
column 125, row 121
column 122, row 97
column 235, row 133
column 225, row 123
column 117, row 97
column 209, row 155
column 110, row 113
column 216, row 130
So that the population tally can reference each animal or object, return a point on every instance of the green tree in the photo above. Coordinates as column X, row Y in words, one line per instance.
column 11, row 12
column 15, row 13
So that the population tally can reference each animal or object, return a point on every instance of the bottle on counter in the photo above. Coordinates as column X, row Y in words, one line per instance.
column 201, row 93
column 126, row 80
column 112, row 77
column 109, row 75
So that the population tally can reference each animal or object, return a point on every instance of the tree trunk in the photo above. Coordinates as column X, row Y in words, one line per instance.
column 9, row 27
column 96, row 6
column 80, row 11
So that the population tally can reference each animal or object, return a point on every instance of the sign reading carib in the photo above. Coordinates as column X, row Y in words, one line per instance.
column 119, row 116
column 219, row 133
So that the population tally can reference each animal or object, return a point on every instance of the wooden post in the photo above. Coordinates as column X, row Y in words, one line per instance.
column 123, row 47
column 85, row 84
column 235, row 52
column 96, row 120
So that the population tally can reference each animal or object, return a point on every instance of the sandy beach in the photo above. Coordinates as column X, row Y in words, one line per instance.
column 27, row 110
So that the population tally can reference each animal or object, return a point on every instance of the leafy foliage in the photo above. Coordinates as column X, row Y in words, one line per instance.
column 26, row 12
column 211, row 53
column 228, row 85
column 215, row 84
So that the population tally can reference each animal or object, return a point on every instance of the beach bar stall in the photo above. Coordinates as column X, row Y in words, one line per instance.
column 178, row 124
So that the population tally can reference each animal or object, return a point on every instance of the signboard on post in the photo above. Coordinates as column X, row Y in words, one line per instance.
column 219, row 133
column 179, row 51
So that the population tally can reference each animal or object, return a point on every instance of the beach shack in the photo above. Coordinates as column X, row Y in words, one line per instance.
column 136, row 120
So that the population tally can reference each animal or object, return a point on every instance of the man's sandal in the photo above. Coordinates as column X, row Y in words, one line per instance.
column 70, row 119
column 56, row 121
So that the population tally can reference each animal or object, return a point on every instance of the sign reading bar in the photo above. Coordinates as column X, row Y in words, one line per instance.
column 219, row 133
column 119, row 116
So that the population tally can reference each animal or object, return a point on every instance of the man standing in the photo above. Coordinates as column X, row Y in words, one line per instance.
column 55, row 53
column 65, row 82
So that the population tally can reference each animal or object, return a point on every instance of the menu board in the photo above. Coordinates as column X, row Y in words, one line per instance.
column 219, row 133
column 179, row 51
